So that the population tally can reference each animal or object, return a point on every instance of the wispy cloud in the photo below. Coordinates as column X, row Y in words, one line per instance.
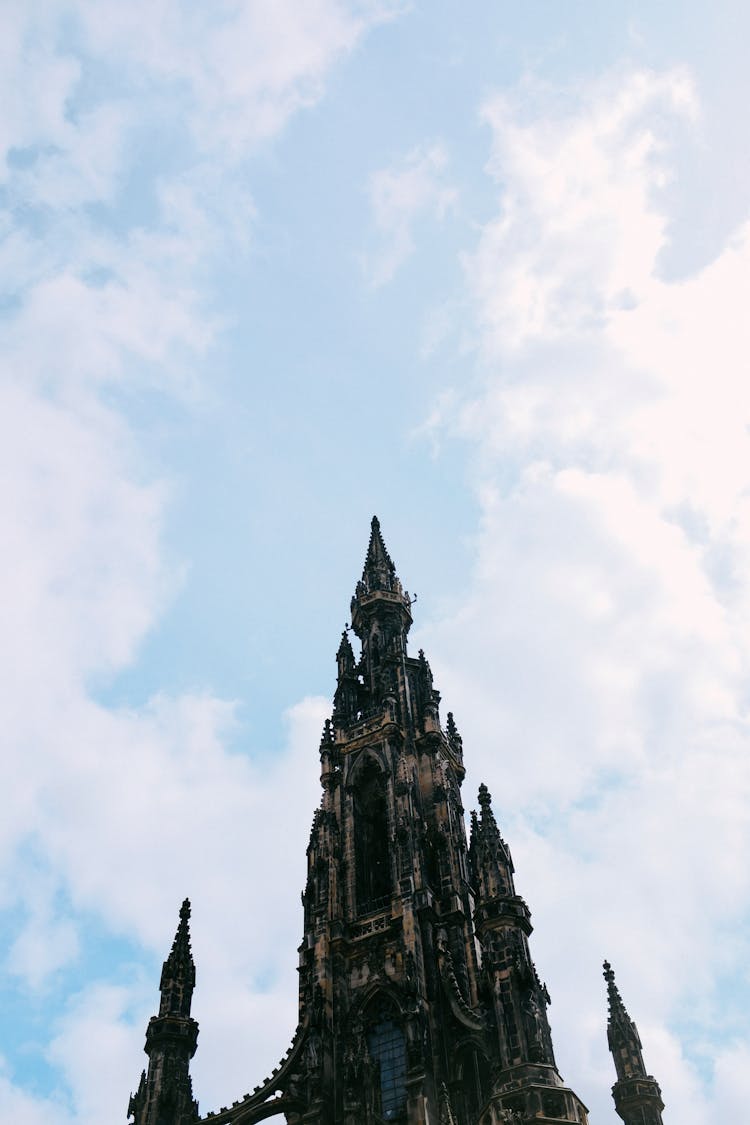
column 607, row 647
column 410, row 190
column 116, row 813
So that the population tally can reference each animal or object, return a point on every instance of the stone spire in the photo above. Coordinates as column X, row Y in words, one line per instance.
column 491, row 855
column 381, row 619
column 178, row 972
column 455, row 741
column 345, row 655
column 528, row 1084
column 165, row 1093
column 346, row 701
column 379, row 573
column 636, row 1094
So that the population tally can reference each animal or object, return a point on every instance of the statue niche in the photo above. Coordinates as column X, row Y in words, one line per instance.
column 371, row 844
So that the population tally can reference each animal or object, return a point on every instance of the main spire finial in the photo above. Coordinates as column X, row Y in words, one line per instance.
column 379, row 573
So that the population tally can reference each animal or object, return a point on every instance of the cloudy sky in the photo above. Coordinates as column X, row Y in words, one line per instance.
column 270, row 267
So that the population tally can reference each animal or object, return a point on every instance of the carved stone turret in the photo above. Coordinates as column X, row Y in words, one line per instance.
column 527, row 1083
column 409, row 1026
column 165, row 1092
column 636, row 1094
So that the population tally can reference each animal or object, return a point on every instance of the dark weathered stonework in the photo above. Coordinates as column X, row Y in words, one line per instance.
column 637, row 1095
column 165, row 1092
column 419, row 1001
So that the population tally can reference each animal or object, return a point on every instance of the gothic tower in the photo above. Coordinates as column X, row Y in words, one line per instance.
column 165, row 1094
column 419, row 1001
column 636, row 1094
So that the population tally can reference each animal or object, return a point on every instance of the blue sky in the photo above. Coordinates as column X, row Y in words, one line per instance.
column 268, row 268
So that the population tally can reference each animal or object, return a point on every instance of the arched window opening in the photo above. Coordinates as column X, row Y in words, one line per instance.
column 473, row 1076
column 387, row 1048
column 371, row 851
column 432, row 858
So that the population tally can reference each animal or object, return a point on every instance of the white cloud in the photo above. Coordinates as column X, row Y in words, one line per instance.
column 114, row 814
column 170, row 813
column 247, row 67
column 598, row 666
column 19, row 1106
column 401, row 195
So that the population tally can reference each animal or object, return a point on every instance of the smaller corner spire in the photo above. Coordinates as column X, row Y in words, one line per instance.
column 488, row 829
column 618, row 1013
column 345, row 652
column 455, row 743
column 165, row 1093
column 181, row 943
column 636, row 1094
column 178, row 972
column 494, row 865
column 453, row 736
column 614, row 1000
column 488, row 825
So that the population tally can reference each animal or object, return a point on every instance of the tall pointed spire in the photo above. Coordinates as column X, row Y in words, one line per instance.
column 379, row 572
column 178, row 972
column 165, row 1093
column 381, row 619
column 636, row 1094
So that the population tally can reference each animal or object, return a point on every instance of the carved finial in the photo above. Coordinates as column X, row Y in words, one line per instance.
column 617, row 1009
column 493, row 864
column 345, row 653
column 473, row 844
column 454, row 738
column 316, row 822
column 425, row 670
column 180, row 953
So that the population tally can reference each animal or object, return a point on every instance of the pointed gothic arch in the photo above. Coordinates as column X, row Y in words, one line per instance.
column 472, row 1081
column 372, row 849
column 386, row 1045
